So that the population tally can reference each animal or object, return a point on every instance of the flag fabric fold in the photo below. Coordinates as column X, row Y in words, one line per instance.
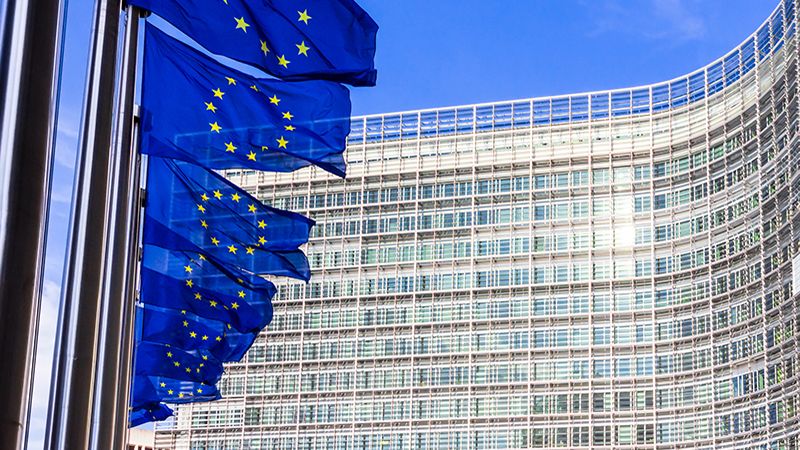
column 183, row 281
column 190, row 208
column 197, row 110
column 290, row 39
column 184, row 330
column 151, row 412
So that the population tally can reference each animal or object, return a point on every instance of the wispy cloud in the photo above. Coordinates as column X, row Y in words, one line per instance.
column 661, row 20
column 44, row 360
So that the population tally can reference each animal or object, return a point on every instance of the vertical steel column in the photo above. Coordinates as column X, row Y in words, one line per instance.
column 129, row 295
column 108, row 379
column 76, row 358
column 30, row 59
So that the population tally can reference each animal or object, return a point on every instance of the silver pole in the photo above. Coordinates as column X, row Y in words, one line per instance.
column 113, row 311
column 75, row 365
column 129, row 296
column 30, row 59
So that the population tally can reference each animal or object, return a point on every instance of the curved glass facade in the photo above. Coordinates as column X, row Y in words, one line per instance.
column 611, row 269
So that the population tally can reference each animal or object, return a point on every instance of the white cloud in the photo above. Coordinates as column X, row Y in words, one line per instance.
column 666, row 20
column 48, row 318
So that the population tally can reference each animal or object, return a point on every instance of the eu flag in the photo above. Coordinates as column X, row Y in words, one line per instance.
column 291, row 39
column 192, row 209
column 151, row 412
column 148, row 390
column 184, row 281
column 160, row 359
column 197, row 110
column 184, row 330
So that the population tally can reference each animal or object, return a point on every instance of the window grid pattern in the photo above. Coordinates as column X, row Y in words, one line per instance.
column 542, row 274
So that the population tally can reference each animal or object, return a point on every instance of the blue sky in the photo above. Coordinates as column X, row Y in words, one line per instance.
column 447, row 52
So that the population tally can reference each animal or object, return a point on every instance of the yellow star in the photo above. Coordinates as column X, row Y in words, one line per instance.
column 197, row 296
column 232, row 249
column 217, row 194
column 176, row 364
column 205, row 338
column 199, row 391
column 180, row 395
column 250, row 251
column 210, row 107
column 169, row 354
column 241, row 294
column 202, row 258
column 163, row 384
column 241, row 24
column 190, row 283
column 264, row 148
column 254, row 87
column 251, row 208
column 218, row 93
column 203, row 223
column 183, row 311
column 282, row 142
column 192, row 334
column 204, row 197
column 251, row 156
column 215, row 127
column 185, row 323
column 264, row 48
column 262, row 240
column 262, row 224
column 287, row 115
column 205, row 358
column 289, row 127
column 212, row 303
column 215, row 241
column 302, row 49
column 274, row 99
column 218, row 338
column 304, row 16
column 282, row 61
column 235, row 197
column 170, row 392
column 188, row 269
column 229, row 147
column 235, row 305
column 201, row 208
column 231, row 81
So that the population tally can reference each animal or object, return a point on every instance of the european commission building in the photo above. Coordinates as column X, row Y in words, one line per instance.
column 611, row 269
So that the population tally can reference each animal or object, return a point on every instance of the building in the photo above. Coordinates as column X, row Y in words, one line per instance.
column 141, row 439
column 611, row 269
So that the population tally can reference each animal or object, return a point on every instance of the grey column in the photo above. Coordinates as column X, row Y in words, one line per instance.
column 30, row 55
column 78, row 338
column 112, row 379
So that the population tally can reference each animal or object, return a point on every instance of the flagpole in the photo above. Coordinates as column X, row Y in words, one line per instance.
column 76, row 357
column 110, row 385
column 30, row 59
column 130, row 293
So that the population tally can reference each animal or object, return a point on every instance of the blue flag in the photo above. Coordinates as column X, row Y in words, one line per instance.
column 152, row 412
column 148, row 390
column 184, row 330
column 192, row 209
column 197, row 110
column 291, row 39
column 160, row 359
column 183, row 281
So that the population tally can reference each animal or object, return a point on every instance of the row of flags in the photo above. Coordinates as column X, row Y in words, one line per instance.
column 206, row 242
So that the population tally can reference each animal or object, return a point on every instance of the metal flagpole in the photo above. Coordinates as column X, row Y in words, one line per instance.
column 74, row 377
column 129, row 295
column 109, row 381
column 30, row 59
